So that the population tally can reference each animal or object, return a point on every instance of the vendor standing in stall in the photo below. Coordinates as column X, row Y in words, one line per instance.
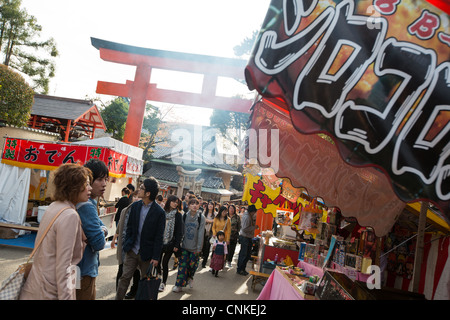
column 248, row 225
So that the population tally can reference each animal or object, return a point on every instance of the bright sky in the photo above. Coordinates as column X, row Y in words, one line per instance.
column 209, row 27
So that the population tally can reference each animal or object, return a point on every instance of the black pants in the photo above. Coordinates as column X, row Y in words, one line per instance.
column 166, row 253
column 231, row 249
column 205, row 249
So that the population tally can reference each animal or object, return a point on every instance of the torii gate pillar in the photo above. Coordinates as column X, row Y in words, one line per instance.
column 138, row 100
column 140, row 90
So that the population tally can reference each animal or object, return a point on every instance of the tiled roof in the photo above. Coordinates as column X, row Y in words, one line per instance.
column 169, row 173
column 60, row 108
column 198, row 152
column 211, row 181
column 162, row 172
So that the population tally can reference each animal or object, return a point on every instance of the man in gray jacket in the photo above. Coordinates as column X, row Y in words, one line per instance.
column 248, row 224
column 191, row 246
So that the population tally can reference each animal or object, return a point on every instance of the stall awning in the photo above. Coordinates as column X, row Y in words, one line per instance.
column 48, row 156
column 312, row 162
column 434, row 217
column 377, row 84
column 135, row 164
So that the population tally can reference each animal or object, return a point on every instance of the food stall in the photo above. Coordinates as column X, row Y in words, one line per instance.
column 352, row 123
column 133, row 170
column 26, row 161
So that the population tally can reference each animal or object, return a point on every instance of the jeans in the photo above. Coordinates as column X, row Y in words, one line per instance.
column 245, row 253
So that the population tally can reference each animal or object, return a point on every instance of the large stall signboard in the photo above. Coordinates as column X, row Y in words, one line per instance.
column 49, row 156
column 374, row 75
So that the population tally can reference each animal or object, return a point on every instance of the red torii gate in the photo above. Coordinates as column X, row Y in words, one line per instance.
column 140, row 90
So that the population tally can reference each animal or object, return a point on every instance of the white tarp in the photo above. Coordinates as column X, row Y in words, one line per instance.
column 14, row 189
column 135, row 162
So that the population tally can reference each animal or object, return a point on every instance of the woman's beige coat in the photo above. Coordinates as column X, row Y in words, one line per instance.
column 53, row 275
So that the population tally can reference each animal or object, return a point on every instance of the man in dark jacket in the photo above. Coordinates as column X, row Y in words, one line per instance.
column 144, row 235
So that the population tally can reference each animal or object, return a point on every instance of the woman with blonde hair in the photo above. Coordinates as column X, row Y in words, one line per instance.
column 54, row 272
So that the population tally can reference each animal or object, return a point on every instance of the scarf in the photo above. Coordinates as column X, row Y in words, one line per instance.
column 170, row 226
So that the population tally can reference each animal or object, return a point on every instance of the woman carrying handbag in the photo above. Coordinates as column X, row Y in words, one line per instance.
column 61, row 238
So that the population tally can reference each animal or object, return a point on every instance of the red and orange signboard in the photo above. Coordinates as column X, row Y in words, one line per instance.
column 49, row 156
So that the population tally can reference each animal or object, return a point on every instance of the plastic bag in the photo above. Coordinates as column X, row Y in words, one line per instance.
column 310, row 217
column 285, row 216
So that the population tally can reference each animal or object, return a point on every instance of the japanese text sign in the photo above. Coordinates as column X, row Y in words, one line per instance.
column 374, row 75
column 49, row 156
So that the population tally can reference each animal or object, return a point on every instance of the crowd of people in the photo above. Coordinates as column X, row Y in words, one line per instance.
column 150, row 230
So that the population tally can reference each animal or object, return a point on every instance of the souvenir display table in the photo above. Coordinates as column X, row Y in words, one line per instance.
column 352, row 274
column 279, row 286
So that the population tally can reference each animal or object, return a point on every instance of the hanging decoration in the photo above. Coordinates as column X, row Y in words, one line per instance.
column 371, row 74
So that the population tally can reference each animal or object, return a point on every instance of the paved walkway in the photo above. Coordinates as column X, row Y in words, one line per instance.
column 227, row 286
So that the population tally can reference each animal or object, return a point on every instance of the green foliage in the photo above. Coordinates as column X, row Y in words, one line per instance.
column 21, row 48
column 225, row 121
column 150, row 128
column 246, row 45
column 115, row 116
column 16, row 98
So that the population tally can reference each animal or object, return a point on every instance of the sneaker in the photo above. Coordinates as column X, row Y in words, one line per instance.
column 177, row 289
column 162, row 286
column 228, row 264
column 190, row 283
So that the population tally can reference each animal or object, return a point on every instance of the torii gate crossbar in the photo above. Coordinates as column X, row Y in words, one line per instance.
column 140, row 90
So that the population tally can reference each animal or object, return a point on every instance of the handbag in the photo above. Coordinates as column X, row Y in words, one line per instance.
column 148, row 286
column 11, row 287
